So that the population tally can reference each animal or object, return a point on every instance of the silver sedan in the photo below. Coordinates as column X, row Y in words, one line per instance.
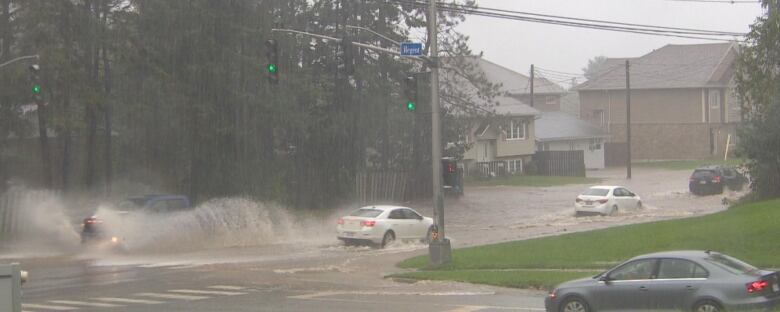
column 701, row 281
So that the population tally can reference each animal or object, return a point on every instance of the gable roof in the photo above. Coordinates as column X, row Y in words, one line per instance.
column 556, row 126
column 514, row 82
column 672, row 66
column 513, row 107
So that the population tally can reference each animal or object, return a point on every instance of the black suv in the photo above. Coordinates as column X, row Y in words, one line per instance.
column 712, row 180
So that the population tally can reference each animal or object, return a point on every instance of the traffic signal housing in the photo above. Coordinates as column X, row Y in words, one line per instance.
column 346, row 57
column 272, row 58
column 410, row 93
column 35, row 80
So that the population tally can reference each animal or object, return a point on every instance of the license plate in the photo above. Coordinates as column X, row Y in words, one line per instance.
column 350, row 234
column 702, row 182
column 775, row 287
column 588, row 203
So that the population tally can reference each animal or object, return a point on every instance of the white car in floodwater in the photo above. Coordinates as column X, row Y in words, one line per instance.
column 606, row 200
column 381, row 225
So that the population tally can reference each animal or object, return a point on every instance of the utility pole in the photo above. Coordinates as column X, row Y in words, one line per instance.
column 439, row 250
column 532, row 85
column 628, row 121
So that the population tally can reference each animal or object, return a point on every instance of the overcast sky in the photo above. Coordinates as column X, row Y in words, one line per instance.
column 517, row 45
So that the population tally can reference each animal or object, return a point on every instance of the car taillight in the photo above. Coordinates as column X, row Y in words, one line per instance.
column 757, row 286
column 717, row 179
column 578, row 200
column 691, row 179
column 602, row 201
column 340, row 221
column 367, row 223
column 92, row 220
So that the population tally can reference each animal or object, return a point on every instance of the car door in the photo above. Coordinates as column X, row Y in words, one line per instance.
column 624, row 198
column 397, row 222
column 417, row 228
column 630, row 198
column 627, row 287
column 677, row 284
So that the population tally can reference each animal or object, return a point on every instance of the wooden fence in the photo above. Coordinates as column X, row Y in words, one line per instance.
column 491, row 169
column 11, row 202
column 560, row 163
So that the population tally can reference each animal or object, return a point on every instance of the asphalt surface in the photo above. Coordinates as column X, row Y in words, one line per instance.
column 310, row 271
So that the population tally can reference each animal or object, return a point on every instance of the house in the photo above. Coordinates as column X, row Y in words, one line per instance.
column 561, row 131
column 504, row 142
column 683, row 103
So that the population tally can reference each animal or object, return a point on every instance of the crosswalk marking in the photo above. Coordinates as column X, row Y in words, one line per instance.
column 47, row 307
column 227, row 287
column 171, row 296
column 125, row 300
column 86, row 304
column 207, row 292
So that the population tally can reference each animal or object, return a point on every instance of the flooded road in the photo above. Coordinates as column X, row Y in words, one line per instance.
column 264, row 247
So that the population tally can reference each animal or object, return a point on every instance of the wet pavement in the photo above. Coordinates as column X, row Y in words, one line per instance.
column 311, row 271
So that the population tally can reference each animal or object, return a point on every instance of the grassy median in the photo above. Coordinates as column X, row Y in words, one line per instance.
column 531, row 181
column 748, row 232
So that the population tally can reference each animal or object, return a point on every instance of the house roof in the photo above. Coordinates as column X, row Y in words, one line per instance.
column 514, row 82
column 672, row 66
column 557, row 126
column 513, row 107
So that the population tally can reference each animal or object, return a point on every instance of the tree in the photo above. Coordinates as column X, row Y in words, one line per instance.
column 595, row 65
column 758, row 84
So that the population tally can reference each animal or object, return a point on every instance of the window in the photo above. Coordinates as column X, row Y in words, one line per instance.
column 411, row 215
column 635, row 270
column 517, row 129
column 595, row 144
column 550, row 100
column 366, row 213
column 731, row 264
column 714, row 96
column 679, row 268
column 396, row 214
column 598, row 117
column 515, row 166
column 596, row 192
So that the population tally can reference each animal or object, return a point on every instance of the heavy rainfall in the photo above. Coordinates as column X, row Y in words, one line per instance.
column 329, row 155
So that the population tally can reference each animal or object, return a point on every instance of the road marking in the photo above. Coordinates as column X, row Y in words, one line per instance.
column 47, row 307
column 434, row 304
column 86, row 304
column 125, row 300
column 227, row 287
column 392, row 293
column 207, row 292
column 171, row 296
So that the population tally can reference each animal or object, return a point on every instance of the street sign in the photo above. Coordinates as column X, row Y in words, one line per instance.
column 411, row 49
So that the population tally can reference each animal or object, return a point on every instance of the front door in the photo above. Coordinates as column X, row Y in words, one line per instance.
column 628, row 287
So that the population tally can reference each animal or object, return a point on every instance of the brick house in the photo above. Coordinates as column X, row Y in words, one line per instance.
column 683, row 102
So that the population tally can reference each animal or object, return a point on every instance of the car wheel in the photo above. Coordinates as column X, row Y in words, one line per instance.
column 707, row 306
column 574, row 304
column 612, row 211
column 428, row 236
column 388, row 239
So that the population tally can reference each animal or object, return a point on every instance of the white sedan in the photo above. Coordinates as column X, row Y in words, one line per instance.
column 382, row 225
column 606, row 200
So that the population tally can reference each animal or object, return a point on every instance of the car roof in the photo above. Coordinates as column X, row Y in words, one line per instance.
column 383, row 207
column 606, row 186
column 689, row 254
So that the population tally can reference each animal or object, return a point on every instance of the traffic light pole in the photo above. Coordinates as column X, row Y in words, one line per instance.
column 439, row 251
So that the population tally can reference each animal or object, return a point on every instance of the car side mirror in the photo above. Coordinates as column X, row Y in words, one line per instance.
column 604, row 278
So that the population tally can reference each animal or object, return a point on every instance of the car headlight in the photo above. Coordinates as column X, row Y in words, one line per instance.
column 553, row 294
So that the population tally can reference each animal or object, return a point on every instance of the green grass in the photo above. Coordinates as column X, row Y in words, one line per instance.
column 685, row 164
column 749, row 232
column 531, row 181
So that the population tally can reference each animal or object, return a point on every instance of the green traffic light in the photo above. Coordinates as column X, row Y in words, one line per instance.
column 411, row 106
column 36, row 89
column 272, row 68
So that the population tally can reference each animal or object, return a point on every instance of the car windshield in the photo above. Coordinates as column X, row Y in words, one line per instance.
column 366, row 213
column 731, row 264
column 596, row 192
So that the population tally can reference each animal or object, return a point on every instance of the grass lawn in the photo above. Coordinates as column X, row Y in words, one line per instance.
column 533, row 181
column 685, row 164
column 748, row 232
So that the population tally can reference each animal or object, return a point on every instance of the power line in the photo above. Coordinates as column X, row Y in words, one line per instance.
column 657, row 31
column 557, row 72
column 718, row 1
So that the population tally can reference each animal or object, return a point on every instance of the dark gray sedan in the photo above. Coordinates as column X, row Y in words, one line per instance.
column 701, row 281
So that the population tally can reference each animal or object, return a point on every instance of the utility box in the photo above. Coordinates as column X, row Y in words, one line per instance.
column 11, row 287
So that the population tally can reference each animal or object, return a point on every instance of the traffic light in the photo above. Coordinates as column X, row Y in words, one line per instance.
column 272, row 56
column 410, row 93
column 346, row 57
column 450, row 175
column 35, row 79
